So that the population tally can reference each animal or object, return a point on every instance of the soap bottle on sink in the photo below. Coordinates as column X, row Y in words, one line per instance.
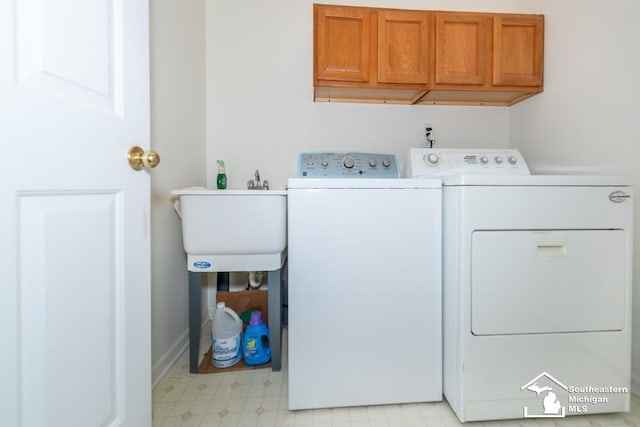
column 221, row 180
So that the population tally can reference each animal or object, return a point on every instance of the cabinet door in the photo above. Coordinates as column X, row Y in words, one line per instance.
column 403, row 47
column 342, row 42
column 461, row 48
column 517, row 50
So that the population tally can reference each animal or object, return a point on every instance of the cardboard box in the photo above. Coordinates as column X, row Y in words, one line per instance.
column 246, row 300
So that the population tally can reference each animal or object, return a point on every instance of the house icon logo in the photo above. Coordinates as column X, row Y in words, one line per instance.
column 546, row 387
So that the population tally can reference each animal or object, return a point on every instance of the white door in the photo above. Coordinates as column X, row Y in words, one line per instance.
column 74, row 218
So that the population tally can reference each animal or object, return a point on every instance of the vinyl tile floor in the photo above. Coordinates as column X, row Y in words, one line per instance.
column 259, row 398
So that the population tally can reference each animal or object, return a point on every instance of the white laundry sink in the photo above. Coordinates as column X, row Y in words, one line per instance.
column 233, row 230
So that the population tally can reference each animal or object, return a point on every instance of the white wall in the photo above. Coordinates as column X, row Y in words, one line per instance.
column 585, row 121
column 260, row 112
column 260, row 109
column 178, row 135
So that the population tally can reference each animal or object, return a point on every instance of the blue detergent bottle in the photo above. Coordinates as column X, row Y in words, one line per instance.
column 255, row 344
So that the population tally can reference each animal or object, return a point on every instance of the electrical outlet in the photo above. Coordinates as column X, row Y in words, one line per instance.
column 429, row 138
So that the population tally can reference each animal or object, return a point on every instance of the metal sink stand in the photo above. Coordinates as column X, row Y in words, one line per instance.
column 274, row 303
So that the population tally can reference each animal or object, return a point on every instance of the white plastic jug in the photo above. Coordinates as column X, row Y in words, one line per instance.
column 227, row 337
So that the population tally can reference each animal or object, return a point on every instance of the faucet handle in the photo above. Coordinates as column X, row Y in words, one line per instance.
column 265, row 184
column 250, row 184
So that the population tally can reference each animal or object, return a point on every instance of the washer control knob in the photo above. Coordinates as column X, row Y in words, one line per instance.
column 386, row 162
column 310, row 161
column 324, row 161
column 484, row 160
column 433, row 159
column 373, row 162
column 348, row 162
column 513, row 160
column 499, row 160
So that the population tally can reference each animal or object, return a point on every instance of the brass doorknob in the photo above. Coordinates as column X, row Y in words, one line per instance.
column 140, row 159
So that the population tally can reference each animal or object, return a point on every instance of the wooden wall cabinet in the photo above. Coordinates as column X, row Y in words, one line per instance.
column 370, row 55
column 426, row 57
column 486, row 59
column 342, row 44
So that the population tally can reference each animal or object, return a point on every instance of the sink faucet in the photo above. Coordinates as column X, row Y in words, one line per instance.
column 256, row 185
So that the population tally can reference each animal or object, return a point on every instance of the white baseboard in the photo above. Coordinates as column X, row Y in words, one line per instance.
column 171, row 356
column 162, row 367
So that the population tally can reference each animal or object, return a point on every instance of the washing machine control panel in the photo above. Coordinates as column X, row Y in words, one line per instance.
column 347, row 165
column 432, row 162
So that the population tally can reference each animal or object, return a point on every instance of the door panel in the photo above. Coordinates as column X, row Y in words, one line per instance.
column 52, row 58
column 547, row 281
column 342, row 43
column 403, row 47
column 461, row 48
column 70, row 295
column 518, row 50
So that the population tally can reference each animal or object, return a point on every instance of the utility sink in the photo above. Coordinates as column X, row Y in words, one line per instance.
column 233, row 230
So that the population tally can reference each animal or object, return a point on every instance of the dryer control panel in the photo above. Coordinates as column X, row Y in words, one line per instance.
column 431, row 162
column 347, row 165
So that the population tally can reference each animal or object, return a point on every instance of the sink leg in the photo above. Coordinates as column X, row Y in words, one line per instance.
column 275, row 317
column 195, row 288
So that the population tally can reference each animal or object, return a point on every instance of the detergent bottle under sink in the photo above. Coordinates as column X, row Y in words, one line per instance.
column 227, row 337
column 255, row 344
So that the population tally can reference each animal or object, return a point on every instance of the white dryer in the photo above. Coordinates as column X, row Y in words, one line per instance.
column 537, row 287
column 365, row 303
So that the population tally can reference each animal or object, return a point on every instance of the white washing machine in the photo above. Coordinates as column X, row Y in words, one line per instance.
column 537, row 287
column 365, row 315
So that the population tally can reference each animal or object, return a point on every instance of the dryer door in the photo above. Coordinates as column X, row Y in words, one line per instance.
column 547, row 281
